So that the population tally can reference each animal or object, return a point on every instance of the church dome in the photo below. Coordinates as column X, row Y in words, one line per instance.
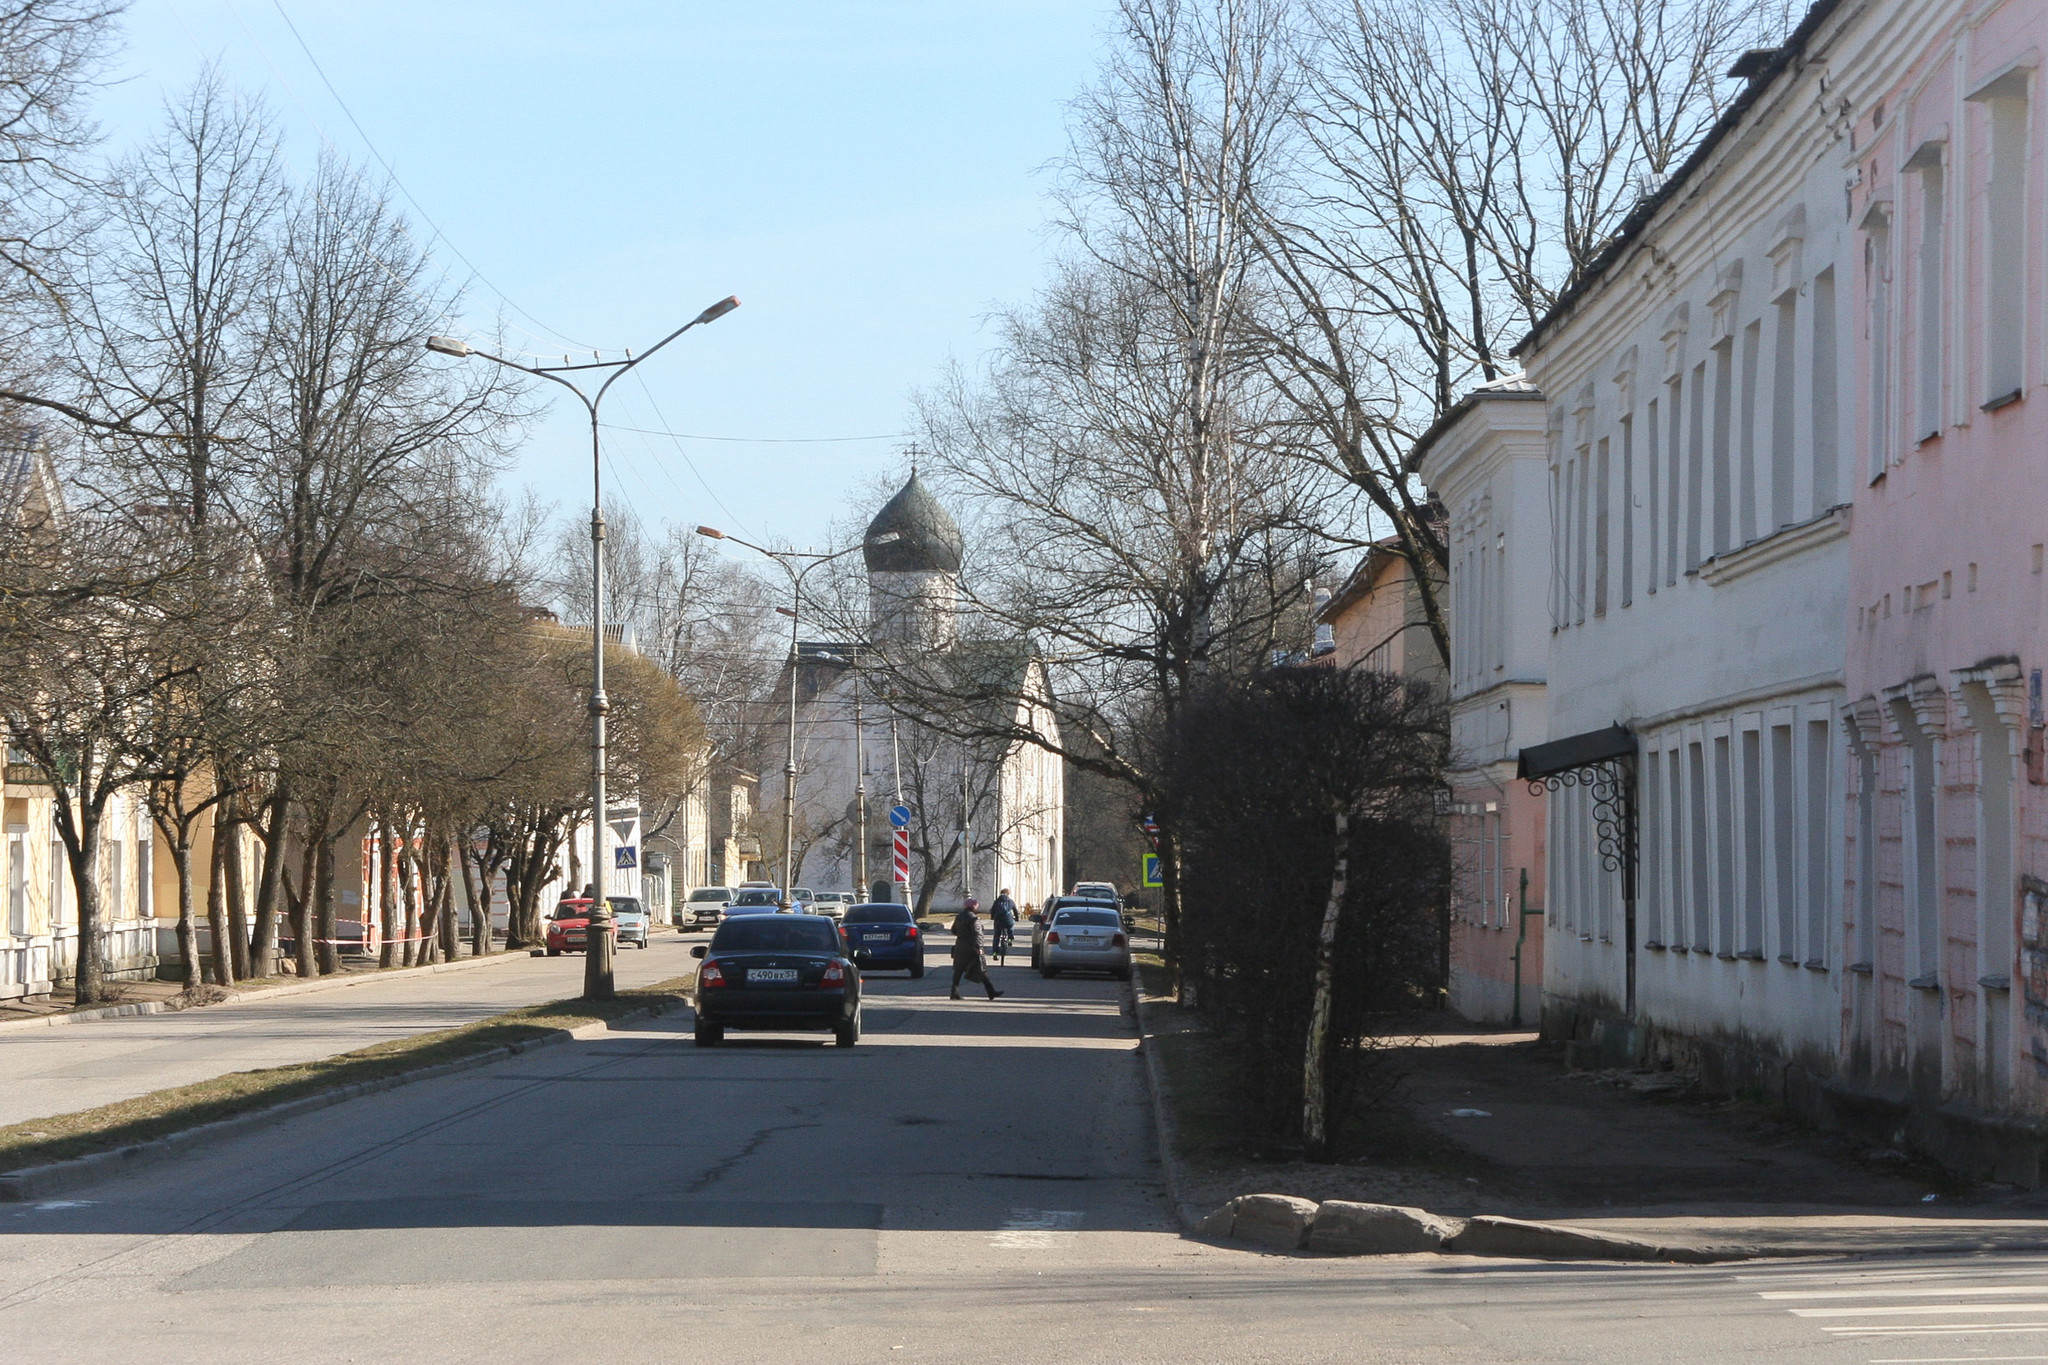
column 927, row 537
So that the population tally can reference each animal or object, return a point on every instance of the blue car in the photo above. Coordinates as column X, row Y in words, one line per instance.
column 881, row 937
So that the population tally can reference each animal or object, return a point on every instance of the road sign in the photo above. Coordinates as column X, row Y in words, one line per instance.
column 902, row 856
column 625, row 855
column 899, row 816
column 1151, row 870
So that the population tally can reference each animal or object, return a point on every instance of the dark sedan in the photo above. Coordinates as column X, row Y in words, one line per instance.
column 884, row 937
column 777, row 972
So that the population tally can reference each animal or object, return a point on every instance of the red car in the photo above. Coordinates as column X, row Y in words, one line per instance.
column 568, row 926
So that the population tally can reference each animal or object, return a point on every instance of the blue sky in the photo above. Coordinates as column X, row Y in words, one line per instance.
column 868, row 177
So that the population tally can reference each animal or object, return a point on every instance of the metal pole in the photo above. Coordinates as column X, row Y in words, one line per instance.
column 966, row 844
column 789, row 765
column 860, row 798
column 597, row 938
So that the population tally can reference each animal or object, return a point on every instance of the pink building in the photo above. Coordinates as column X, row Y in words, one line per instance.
column 1945, row 154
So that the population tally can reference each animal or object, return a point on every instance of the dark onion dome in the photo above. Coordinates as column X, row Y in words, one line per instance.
column 927, row 537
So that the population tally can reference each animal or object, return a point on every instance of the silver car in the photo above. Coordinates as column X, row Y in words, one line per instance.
column 1085, row 938
column 632, row 920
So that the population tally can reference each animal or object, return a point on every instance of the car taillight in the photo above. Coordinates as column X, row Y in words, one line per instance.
column 1116, row 940
column 710, row 975
column 911, row 932
column 1053, row 937
column 835, row 975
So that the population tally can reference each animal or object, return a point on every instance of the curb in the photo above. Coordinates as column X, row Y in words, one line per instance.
column 37, row 1182
column 329, row 983
column 1162, row 1120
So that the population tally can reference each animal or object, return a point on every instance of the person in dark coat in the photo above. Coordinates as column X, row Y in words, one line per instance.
column 967, row 959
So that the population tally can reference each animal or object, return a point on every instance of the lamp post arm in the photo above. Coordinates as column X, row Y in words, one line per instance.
column 627, row 365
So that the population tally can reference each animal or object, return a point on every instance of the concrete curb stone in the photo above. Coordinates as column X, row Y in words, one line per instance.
column 1345, row 1228
column 38, row 1182
column 1490, row 1235
column 1190, row 1218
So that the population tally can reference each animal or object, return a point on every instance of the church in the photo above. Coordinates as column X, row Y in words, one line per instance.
column 984, row 813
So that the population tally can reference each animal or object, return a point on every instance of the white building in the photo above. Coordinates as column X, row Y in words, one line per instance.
column 1698, row 598
column 1013, row 795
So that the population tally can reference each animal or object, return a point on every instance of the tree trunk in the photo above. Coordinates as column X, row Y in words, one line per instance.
column 479, row 904
column 387, row 891
column 408, row 888
column 329, row 955
column 230, row 833
column 89, row 984
column 216, row 910
column 188, row 931
column 263, row 938
column 1314, row 1118
column 1170, row 948
column 305, row 951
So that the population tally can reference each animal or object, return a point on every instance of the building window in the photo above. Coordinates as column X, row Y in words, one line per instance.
column 1601, row 498
column 1674, row 460
column 1650, row 521
column 17, row 880
column 2005, row 228
column 1628, row 508
column 1877, row 293
column 1784, row 378
column 1927, row 288
column 1651, row 892
column 1753, row 858
column 1701, row 891
column 1725, row 799
column 1825, row 374
column 1820, row 763
column 1784, row 844
column 1745, row 416
column 1724, row 405
column 1695, row 466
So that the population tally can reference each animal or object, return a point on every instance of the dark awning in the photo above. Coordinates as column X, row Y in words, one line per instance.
column 1576, row 751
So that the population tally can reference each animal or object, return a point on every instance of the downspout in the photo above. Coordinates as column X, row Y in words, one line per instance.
column 1521, row 937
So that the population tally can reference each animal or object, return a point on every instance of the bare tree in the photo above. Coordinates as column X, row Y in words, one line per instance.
column 1456, row 165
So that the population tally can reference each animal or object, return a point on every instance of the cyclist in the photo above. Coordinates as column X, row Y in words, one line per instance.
column 1004, row 913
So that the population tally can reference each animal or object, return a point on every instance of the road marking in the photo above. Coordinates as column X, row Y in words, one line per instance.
column 1943, row 1360
column 1943, row 1291
column 1036, row 1229
column 1902, row 1308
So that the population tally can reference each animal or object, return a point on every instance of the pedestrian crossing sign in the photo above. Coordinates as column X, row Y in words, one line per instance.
column 1151, row 870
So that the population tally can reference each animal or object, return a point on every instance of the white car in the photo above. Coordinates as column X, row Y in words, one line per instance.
column 706, row 905
column 1096, row 891
column 831, row 903
column 1085, row 938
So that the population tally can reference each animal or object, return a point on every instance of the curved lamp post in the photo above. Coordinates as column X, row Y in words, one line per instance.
column 783, row 560
column 597, row 939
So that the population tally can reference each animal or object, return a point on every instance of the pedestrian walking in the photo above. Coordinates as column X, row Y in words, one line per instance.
column 967, row 959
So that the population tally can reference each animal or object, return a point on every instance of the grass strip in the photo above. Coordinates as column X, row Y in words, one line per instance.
column 60, row 1137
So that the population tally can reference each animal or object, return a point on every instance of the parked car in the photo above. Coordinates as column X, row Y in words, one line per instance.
column 1090, row 938
column 754, row 900
column 1041, row 923
column 706, row 905
column 788, row 972
column 883, row 937
column 630, row 920
column 568, row 927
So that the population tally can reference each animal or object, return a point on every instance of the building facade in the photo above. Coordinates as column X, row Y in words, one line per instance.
column 1487, row 464
column 1795, row 484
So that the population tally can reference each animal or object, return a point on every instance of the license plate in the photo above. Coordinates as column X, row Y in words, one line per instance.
column 772, row 975
column 874, row 938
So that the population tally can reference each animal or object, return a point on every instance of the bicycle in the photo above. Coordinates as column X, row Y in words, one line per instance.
column 1000, row 940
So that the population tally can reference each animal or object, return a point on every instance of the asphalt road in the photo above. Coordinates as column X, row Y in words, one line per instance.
column 76, row 1066
column 975, row 1181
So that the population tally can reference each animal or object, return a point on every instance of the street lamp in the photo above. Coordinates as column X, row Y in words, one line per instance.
column 597, row 939
column 782, row 560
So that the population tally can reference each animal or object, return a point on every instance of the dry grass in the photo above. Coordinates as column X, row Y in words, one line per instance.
column 162, row 1112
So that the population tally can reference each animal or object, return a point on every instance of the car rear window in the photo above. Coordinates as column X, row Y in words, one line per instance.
column 878, row 914
column 1097, row 918
column 794, row 933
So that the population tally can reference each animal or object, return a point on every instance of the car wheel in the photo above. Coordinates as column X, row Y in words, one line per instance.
column 709, row 1035
column 1048, row 972
column 916, row 971
column 554, row 952
column 1122, row 974
column 848, row 1033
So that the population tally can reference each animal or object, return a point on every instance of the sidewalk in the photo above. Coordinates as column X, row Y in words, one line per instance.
column 59, row 1070
column 1492, row 1123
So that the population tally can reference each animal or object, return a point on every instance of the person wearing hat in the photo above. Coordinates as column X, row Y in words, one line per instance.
column 967, row 959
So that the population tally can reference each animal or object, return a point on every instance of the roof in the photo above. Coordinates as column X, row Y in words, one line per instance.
column 1361, row 580
column 1762, row 67
column 927, row 537
column 1511, row 386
